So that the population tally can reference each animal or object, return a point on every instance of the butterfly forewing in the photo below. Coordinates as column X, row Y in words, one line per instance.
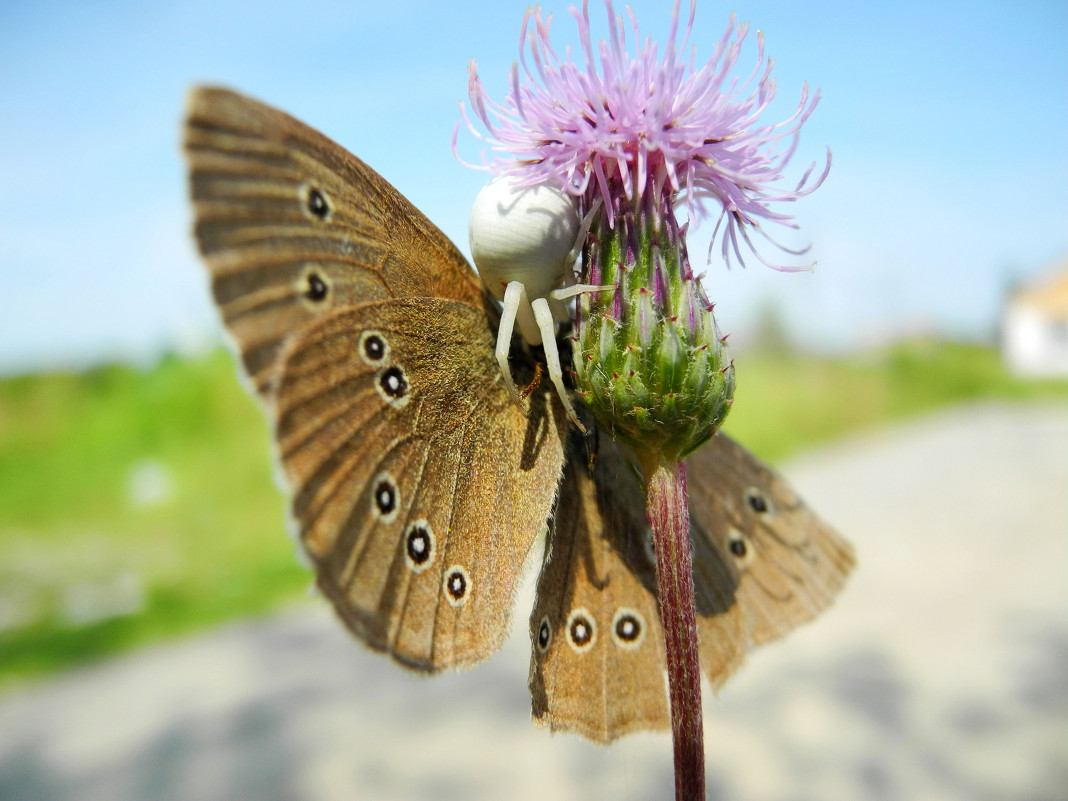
column 292, row 226
column 763, row 563
column 417, row 485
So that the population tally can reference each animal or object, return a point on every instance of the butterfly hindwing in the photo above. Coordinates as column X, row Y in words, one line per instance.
column 598, row 647
column 418, row 486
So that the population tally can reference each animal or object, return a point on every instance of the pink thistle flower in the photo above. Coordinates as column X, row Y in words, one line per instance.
column 630, row 119
column 627, row 136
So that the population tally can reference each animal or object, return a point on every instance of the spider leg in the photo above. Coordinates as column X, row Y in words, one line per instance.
column 515, row 297
column 543, row 314
column 577, row 289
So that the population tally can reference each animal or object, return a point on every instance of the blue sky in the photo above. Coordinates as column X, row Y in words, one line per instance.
column 948, row 122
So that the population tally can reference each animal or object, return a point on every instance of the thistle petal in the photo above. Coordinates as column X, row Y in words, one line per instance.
column 632, row 117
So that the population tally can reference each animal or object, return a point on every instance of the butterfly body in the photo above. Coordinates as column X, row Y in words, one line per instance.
column 418, row 486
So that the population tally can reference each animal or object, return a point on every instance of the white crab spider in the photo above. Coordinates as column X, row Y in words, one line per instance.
column 524, row 241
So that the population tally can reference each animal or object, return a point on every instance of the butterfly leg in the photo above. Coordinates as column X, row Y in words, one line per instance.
column 543, row 314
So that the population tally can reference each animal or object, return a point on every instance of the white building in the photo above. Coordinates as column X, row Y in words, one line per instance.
column 1034, row 325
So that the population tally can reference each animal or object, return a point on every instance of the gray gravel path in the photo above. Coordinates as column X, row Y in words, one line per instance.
column 941, row 674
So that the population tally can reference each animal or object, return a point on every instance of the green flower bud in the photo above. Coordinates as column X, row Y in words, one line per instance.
column 649, row 361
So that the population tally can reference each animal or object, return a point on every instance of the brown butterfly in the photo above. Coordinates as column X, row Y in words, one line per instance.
column 418, row 486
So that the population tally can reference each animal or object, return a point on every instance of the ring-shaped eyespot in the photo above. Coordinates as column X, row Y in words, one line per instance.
column 315, row 203
column 758, row 501
column 739, row 546
column 392, row 385
column 419, row 545
column 543, row 637
column 581, row 631
column 385, row 497
column 314, row 287
column 628, row 628
column 457, row 585
column 374, row 348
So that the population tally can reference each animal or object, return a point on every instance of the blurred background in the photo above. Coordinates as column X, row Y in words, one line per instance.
column 144, row 562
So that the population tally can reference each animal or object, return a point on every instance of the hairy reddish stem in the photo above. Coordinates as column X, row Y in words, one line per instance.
column 669, row 517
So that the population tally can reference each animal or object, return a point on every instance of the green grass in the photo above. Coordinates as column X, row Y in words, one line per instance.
column 785, row 403
column 139, row 505
column 76, row 542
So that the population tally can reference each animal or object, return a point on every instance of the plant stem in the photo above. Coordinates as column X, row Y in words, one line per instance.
column 669, row 517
